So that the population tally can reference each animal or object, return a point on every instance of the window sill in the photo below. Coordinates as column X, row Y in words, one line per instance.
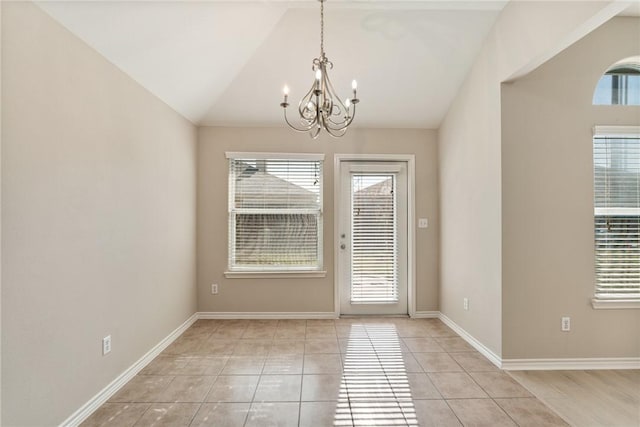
column 274, row 274
column 604, row 304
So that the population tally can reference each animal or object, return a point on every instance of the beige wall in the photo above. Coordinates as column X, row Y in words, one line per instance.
column 547, row 176
column 0, row 215
column 470, row 157
column 303, row 295
column 98, row 221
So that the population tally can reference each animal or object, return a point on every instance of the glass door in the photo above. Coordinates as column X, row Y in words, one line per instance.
column 373, row 238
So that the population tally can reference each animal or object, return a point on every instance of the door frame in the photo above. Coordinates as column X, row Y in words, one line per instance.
column 410, row 160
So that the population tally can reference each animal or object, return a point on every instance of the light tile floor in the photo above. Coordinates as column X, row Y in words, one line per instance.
column 343, row 372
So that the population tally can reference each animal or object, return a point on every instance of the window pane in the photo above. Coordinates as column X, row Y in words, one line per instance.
column 616, row 162
column 620, row 85
column 617, row 256
column 273, row 184
column 617, row 172
column 276, row 240
column 275, row 214
column 374, row 249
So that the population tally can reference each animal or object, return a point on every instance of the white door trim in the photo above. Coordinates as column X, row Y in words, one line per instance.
column 410, row 159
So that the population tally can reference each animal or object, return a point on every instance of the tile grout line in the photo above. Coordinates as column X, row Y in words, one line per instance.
column 468, row 373
column 404, row 415
column 195, row 414
column 304, row 353
column 142, row 415
column 439, row 392
column 541, row 399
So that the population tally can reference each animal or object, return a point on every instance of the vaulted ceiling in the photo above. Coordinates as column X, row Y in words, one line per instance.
column 225, row 62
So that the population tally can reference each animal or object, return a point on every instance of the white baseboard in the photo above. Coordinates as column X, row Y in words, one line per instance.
column 426, row 315
column 571, row 364
column 96, row 401
column 544, row 364
column 484, row 350
column 265, row 315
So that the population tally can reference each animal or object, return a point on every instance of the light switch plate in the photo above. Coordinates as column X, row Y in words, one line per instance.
column 423, row 223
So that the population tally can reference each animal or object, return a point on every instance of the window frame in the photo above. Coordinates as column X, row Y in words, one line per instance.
column 624, row 76
column 262, row 271
column 617, row 132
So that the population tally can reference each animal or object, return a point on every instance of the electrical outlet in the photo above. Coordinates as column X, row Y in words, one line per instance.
column 566, row 324
column 465, row 303
column 214, row 289
column 423, row 223
column 106, row 345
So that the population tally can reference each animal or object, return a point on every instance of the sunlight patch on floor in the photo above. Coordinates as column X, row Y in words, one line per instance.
column 374, row 390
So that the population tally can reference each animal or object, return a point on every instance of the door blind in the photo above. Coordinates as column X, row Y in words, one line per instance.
column 374, row 245
column 616, row 161
column 275, row 214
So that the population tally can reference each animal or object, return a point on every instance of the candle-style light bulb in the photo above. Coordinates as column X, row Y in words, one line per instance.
column 318, row 74
column 286, row 92
column 354, row 86
column 347, row 103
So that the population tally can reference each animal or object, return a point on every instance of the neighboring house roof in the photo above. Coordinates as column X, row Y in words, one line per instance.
column 250, row 191
column 383, row 187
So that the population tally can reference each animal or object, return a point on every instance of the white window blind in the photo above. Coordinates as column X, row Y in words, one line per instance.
column 374, row 243
column 275, row 214
column 616, row 159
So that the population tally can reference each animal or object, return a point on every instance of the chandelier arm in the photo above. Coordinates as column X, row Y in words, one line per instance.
column 304, row 129
column 342, row 126
column 332, row 91
column 319, row 112
column 314, row 134
column 336, row 133
column 336, row 125
column 304, row 102
column 307, row 114
column 343, row 111
column 351, row 116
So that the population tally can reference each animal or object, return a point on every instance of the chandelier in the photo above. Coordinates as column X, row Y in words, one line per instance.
column 321, row 108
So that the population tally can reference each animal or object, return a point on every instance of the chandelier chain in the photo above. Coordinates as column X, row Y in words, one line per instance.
column 321, row 28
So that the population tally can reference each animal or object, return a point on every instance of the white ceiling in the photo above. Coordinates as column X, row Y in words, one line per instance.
column 225, row 62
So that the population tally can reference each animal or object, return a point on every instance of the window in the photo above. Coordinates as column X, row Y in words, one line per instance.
column 275, row 213
column 620, row 84
column 616, row 160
